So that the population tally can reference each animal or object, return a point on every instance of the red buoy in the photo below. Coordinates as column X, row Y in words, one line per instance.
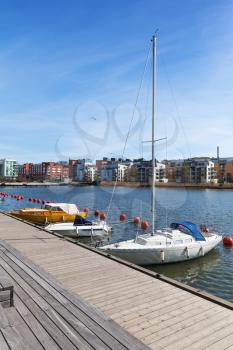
column 18, row 198
column 136, row 220
column 30, row 199
column 34, row 200
column 228, row 240
column 122, row 217
column 38, row 200
column 145, row 225
column 97, row 212
column 103, row 216
column 22, row 197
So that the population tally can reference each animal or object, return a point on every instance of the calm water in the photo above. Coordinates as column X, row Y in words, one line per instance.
column 213, row 273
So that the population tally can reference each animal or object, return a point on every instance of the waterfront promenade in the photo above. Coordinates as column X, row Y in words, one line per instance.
column 157, row 311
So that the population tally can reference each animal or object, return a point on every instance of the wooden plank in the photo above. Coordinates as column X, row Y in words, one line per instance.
column 3, row 343
column 54, row 325
column 106, row 323
column 220, row 342
column 220, row 337
column 3, row 319
column 82, row 322
column 20, row 327
column 14, row 339
column 193, row 333
column 7, row 286
column 39, row 331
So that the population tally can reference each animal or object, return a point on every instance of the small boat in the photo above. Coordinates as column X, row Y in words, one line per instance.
column 50, row 212
column 81, row 227
column 181, row 242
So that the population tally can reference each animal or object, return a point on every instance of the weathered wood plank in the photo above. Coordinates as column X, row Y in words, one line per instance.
column 39, row 331
column 32, row 283
column 193, row 333
column 3, row 343
column 50, row 320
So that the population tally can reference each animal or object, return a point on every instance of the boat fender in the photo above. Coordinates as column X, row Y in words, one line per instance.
column 228, row 240
column 145, row 225
column 122, row 217
column 187, row 252
column 103, row 216
column 136, row 220
column 162, row 255
column 201, row 251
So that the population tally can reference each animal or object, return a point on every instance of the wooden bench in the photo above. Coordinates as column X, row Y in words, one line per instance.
column 6, row 292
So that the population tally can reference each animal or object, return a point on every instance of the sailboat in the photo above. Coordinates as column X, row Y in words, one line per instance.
column 182, row 241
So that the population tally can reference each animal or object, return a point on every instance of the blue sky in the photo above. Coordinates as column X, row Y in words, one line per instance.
column 70, row 72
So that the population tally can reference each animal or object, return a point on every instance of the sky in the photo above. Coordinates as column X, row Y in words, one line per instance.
column 73, row 81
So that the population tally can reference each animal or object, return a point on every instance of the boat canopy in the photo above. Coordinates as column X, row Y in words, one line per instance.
column 66, row 207
column 80, row 221
column 192, row 228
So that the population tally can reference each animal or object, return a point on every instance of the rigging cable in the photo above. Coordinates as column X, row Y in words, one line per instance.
column 130, row 126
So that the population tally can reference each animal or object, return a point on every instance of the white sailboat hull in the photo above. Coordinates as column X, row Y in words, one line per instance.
column 148, row 255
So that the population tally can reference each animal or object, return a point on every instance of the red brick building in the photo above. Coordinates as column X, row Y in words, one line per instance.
column 43, row 171
column 72, row 164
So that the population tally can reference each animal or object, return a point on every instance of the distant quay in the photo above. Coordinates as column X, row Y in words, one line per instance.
column 172, row 185
column 33, row 184
column 124, row 184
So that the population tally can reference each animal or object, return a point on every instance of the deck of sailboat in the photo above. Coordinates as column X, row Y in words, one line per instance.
column 160, row 312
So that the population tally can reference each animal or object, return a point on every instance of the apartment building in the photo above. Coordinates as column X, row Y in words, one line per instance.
column 8, row 168
column 192, row 170
column 144, row 171
column 224, row 168
column 50, row 171
column 85, row 171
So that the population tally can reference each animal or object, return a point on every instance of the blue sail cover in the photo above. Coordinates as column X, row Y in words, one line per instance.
column 195, row 232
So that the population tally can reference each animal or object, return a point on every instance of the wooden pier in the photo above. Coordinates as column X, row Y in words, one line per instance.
column 68, row 296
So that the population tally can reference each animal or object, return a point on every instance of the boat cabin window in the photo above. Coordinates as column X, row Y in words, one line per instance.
column 179, row 241
column 56, row 209
column 49, row 207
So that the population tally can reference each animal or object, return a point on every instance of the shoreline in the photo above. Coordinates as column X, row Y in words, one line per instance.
column 122, row 184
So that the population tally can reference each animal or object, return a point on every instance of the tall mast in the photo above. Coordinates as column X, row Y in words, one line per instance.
column 153, row 131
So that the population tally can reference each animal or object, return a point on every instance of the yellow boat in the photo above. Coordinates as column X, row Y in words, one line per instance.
column 51, row 212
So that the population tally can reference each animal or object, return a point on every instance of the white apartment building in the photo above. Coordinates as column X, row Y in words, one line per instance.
column 145, row 172
column 160, row 173
column 85, row 171
column 114, row 171
column 201, row 170
column 8, row 168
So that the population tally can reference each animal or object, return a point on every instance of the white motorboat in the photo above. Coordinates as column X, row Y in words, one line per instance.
column 81, row 228
column 181, row 242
